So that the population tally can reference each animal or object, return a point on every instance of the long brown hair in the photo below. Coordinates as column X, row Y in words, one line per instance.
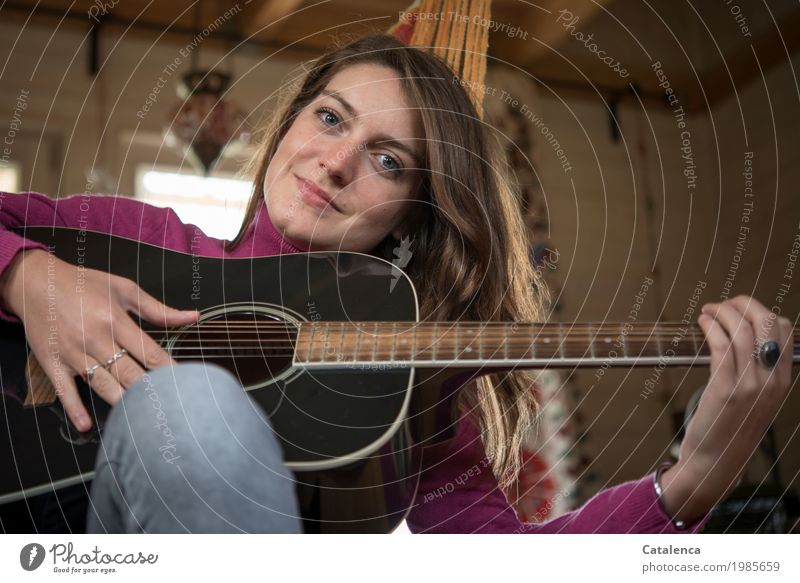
column 471, row 249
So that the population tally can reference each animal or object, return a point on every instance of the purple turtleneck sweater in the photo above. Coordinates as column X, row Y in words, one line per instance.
column 457, row 491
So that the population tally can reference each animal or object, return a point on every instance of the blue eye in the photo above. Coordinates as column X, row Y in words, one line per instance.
column 328, row 117
column 393, row 165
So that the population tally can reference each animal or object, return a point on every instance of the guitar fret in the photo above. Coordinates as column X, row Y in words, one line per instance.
column 561, row 337
column 358, row 341
column 592, row 336
column 326, row 342
column 457, row 349
column 533, row 341
column 340, row 356
column 311, row 341
column 414, row 344
column 375, row 343
column 394, row 341
column 624, row 340
column 657, row 332
column 694, row 343
column 481, row 330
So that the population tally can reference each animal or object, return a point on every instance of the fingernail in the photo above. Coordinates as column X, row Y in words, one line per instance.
column 82, row 423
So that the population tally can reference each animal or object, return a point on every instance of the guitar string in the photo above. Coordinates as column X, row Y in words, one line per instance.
column 639, row 339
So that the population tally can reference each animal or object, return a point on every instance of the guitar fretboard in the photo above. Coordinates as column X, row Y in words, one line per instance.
column 500, row 344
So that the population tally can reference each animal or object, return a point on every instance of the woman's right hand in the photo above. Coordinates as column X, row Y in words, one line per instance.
column 72, row 324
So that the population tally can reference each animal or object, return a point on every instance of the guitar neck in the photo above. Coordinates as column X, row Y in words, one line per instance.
column 501, row 344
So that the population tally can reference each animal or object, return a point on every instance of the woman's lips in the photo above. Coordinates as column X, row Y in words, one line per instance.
column 314, row 195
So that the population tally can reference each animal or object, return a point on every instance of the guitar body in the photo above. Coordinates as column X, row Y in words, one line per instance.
column 345, row 433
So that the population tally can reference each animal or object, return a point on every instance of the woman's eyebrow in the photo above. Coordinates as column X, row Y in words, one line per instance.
column 346, row 104
column 383, row 139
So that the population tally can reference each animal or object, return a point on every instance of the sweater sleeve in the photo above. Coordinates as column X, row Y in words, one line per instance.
column 118, row 215
column 459, row 494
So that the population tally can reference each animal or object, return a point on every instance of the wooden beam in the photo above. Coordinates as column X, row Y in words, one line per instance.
column 263, row 19
column 742, row 67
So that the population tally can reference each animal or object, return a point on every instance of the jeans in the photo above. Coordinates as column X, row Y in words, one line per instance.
column 186, row 450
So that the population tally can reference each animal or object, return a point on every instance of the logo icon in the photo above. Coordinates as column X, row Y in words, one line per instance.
column 31, row 556
column 402, row 255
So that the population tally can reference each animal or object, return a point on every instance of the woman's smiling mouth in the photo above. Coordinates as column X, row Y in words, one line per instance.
column 314, row 195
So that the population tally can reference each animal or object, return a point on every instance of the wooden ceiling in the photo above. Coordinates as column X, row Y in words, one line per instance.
column 704, row 45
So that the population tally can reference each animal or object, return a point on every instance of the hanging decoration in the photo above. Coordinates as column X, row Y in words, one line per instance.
column 461, row 42
column 545, row 485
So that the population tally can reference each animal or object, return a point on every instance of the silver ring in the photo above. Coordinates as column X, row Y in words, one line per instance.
column 769, row 353
column 88, row 374
column 115, row 358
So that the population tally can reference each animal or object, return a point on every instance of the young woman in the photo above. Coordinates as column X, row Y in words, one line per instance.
column 379, row 142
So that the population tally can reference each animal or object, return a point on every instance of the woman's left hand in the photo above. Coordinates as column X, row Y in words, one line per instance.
column 739, row 403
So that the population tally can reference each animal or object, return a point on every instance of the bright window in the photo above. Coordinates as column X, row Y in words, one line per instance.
column 9, row 177
column 216, row 203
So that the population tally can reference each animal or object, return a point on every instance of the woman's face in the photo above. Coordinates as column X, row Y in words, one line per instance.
column 346, row 172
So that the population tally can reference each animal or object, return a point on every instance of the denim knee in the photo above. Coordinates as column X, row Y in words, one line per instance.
column 186, row 448
column 195, row 404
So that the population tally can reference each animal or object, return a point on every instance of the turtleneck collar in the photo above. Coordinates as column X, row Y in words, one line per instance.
column 264, row 238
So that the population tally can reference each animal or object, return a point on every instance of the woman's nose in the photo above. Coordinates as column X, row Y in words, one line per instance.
column 340, row 160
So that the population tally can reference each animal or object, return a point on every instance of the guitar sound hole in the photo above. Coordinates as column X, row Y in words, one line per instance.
column 256, row 348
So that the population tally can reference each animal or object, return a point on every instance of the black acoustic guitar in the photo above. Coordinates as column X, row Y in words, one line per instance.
column 330, row 345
